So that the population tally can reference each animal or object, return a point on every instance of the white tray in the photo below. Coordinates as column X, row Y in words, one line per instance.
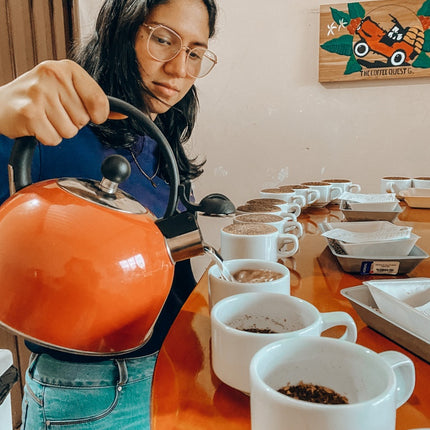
column 354, row 215
column 363, row 303
column 405, row 301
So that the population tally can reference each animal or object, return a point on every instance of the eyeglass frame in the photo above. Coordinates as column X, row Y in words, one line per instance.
column 152, row 28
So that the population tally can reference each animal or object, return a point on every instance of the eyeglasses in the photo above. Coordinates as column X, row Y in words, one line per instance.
column 164, row 45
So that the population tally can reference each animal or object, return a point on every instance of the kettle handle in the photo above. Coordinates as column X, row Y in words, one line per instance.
column 23, row 149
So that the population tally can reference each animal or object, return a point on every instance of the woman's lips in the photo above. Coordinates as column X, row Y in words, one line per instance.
column 165, row 90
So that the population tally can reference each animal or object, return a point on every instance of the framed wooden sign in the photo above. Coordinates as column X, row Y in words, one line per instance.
column 387, row 39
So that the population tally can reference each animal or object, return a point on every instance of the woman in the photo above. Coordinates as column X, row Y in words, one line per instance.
column 149, row 54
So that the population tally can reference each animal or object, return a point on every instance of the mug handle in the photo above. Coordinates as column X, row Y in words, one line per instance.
column 295, row 208
column 335, row 192
column 313, row 196
column 404, row 370
column 299, row 200
column 293, row 225
column 354, row 188
column 285, row 238
column 289, row 216
column 333, row 319
column 389, row 187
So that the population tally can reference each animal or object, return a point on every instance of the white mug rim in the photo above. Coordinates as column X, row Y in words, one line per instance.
column 238, row 332
column 279, row 397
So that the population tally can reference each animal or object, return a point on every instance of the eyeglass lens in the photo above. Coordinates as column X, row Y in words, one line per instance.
column 164, row 45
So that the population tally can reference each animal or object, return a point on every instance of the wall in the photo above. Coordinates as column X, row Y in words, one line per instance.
column 265, row 119
column 88, row 10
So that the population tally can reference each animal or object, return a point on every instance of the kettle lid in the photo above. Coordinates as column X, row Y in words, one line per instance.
column 115, row 169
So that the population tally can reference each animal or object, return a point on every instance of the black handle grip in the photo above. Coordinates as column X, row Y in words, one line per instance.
column 20, row 162
column 23, row 150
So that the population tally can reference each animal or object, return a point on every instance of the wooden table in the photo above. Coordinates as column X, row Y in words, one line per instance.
column 187, row 394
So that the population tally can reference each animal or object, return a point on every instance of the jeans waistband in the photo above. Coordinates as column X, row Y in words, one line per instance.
column 49, row 370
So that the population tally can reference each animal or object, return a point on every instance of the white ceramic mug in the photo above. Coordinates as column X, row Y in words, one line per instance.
column 220, row 288
column 290, row 208
column 374, row 384
column 346, row 185
column 256, row 240
column 310, row 195
column 290, row 196
column 284, row 225
column 395, row 184
column 328, row 192
column 421, row 182
column 268, row 317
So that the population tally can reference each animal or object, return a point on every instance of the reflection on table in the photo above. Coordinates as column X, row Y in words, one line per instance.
column 186, row 393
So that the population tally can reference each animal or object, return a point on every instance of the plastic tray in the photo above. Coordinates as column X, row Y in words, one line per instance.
column 381, row 265
column 363, row 303
column 378, row 265
column 352, row 215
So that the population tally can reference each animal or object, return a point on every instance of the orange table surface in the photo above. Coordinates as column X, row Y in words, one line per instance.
column 186, row 394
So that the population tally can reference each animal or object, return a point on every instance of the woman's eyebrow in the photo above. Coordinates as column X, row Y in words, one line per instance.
column 196, row 43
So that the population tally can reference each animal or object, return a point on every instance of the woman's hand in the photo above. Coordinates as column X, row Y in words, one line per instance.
column 52, row 101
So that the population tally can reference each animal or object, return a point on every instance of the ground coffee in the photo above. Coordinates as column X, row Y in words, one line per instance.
column 313, row 393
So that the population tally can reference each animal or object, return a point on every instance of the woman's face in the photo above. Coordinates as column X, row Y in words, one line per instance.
column 170, row 81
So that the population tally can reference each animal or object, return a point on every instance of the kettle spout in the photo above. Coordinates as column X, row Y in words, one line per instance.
column 183, row 236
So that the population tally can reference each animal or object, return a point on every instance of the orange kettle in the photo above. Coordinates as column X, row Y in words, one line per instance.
column 84, row 267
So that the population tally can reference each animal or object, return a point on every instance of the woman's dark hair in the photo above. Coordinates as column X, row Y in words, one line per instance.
column 110, row 58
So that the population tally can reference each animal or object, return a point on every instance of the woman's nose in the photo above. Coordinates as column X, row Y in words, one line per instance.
column 178, row 66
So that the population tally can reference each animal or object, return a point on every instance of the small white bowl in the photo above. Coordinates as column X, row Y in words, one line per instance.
column 390, row 248
column 416, row 197
column 405, row 301
column 371, row 215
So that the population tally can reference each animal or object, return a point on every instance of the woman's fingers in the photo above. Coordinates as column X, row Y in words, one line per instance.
column 51, row 102
column 92, row 96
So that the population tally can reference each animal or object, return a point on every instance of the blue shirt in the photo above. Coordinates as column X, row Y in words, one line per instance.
column 81, row 157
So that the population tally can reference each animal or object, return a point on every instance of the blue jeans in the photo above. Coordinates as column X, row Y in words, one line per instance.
column 110, row 394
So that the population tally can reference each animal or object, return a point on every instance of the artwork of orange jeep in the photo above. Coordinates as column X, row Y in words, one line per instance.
column 399, row 45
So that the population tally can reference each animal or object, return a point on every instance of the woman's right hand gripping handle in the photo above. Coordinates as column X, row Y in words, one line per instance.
column 52, row 101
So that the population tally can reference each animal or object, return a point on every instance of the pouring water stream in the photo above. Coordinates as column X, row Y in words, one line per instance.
column 216, row 257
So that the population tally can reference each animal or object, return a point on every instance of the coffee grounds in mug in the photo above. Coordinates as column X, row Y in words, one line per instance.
column 261, row 324
column 250, row 229
column 271, row 190
column 316, row 183
column 395, row 178
column 259, row 218
column 264, row 201
column 259, row 330
column 291, row 188
column 313, row 393
column 258, row 208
